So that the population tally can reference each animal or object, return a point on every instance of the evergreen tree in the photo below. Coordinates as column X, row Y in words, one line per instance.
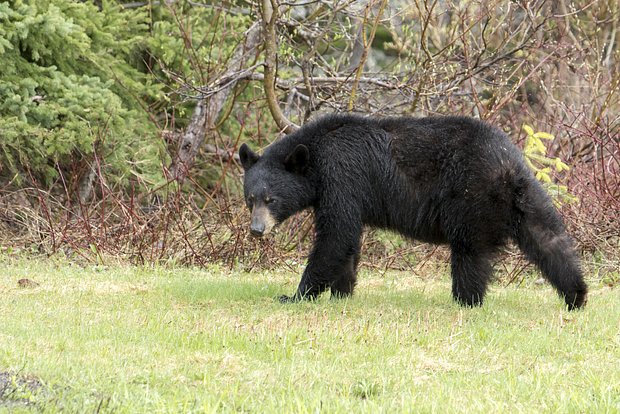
column 72, row 83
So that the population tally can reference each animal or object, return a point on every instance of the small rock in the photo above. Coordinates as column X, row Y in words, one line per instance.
column 27, row 283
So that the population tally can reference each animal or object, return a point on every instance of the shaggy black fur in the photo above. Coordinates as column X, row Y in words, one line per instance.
column 451, row 180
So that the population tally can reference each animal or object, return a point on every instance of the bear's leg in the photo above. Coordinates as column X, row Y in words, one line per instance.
column 471, row 272
column 332, row 262
column 344, row 286
column 541, row 236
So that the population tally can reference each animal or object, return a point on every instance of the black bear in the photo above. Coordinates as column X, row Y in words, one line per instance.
column 451, row 180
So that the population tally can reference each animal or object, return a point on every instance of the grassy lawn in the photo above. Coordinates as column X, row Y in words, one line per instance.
column 127, row 339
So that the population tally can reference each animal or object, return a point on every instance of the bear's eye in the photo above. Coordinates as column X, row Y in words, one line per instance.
column 250, row 202
column 269, row 200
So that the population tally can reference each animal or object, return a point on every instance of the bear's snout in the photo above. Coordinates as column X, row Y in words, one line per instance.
column 262, row 221
column 257, row 229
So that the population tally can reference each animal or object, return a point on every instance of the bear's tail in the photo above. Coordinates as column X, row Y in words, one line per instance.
column 541, row 235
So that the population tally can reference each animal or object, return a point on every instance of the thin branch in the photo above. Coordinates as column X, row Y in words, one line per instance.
column 208, row 108
column 269, row 12
column 368, row 43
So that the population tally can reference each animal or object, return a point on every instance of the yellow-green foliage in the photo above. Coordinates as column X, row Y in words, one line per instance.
column 536, row 157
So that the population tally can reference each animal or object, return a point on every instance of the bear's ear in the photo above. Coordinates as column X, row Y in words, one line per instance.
column 297, row 161
column 247, row 157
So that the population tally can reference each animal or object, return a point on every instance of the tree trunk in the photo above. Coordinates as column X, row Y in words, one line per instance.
column 207, row 110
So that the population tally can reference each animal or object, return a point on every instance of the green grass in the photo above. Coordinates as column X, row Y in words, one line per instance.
column 127, row 339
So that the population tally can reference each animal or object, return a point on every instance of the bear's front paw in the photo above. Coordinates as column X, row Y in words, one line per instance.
column 287, row 299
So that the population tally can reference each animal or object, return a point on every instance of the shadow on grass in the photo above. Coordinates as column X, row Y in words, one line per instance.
column 18, row 390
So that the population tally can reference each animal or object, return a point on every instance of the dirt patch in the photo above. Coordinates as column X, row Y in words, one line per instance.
column 17, row 390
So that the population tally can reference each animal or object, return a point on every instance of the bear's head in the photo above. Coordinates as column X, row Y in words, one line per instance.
column 275, row 186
